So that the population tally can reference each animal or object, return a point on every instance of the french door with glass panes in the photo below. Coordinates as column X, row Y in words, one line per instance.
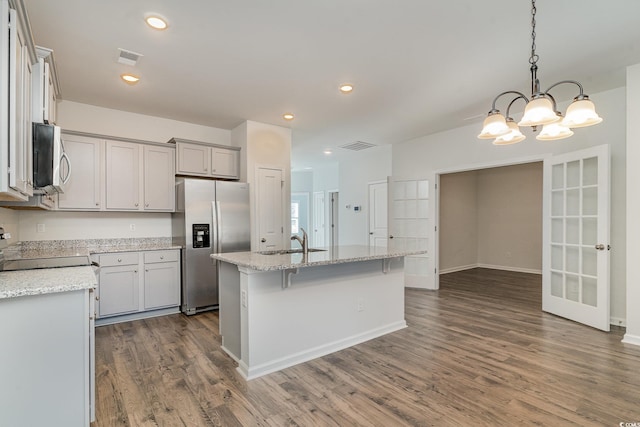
column 575, row 282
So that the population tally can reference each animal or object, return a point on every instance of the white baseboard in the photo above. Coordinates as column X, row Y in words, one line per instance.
column 323, row 350
column 137, row 316
column 631, row 339
column 618, row 321
column 490, row 266
column 508, row 268
column 459, row 268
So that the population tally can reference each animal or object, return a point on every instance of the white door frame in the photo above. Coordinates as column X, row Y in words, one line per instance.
column 369, row 184
column 435, row 206
column 334, row 218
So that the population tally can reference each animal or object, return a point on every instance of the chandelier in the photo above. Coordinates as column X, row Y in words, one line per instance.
column 541, row 110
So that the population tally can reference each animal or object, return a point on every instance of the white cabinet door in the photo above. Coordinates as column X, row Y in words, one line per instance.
column 118, row 290
column 159, row 178
column 122, row 176
column 193, row 159
column 224, row 162
column 161, row 285
column 84, row 189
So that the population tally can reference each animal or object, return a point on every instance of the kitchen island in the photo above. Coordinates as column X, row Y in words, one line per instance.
column 281, row 309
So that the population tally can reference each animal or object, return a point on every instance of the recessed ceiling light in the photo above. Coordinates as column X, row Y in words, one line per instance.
column 288, row 116
column 130, row 78
column 156, row 22
column 328, row 152
column 346, row 88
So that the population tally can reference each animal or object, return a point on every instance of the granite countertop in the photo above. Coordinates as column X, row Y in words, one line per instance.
column 330, row 255
column 76, row 248
column 50, row 280
column 45, row 281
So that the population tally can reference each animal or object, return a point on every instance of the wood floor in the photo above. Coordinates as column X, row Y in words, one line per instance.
column 477, row 352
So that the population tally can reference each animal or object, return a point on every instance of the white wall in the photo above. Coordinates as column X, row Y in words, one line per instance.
column 93, row 225
column 10, row 221
column 459, row 149
column 356, row 172
column 633, row 205
column 265, row 145
column 105, row 121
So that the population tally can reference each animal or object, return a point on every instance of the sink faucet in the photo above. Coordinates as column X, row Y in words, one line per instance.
column 303, row 241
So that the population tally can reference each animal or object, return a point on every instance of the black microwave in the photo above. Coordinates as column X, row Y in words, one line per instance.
column 51, row 165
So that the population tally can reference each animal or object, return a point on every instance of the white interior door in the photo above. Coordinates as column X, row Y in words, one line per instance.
column 575, row 281
column 378, row 228
column 269, row 197
column 318, row 219
column 334, row 213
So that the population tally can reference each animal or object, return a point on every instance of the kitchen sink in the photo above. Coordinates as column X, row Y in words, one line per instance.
column 289, row 251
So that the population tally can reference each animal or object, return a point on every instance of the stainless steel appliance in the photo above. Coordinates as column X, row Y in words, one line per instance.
column 210, row 217
column 51, row 165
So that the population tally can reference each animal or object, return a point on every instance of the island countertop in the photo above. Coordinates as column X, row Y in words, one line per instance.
column 327, row 256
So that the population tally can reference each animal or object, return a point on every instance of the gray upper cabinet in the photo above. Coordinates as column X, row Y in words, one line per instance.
column 196, row 158
column 110, row 174
column 84, row 189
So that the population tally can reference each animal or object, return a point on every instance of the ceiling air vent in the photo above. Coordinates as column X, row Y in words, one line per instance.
column 357, row 146
column 128, row 57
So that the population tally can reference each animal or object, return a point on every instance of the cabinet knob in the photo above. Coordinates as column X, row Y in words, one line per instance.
column 146, row 205
column 97, row 204
column 97, row 298
column 205, row 169
column 136, row 205
column 135, row 271
column 263, row 240
column 161, row 257
column 119, row 259
column 214, row 170
column 146, row 269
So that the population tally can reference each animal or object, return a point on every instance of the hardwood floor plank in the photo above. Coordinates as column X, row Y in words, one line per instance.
column 479, row 351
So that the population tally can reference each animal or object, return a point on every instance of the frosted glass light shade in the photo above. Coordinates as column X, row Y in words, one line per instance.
column 553, row 132
column 581, row 113
column 539, row 111
column 513, row 137
column 494, row 125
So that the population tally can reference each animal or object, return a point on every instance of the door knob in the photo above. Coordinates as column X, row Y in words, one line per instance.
column 263, row 240
column 391, row 236
column 371, row 233
column 600, row 247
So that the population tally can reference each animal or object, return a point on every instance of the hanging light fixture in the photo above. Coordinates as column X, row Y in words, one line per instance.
column 541, row 110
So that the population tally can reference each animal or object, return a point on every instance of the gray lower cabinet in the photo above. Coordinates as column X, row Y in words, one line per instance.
column 136, row 283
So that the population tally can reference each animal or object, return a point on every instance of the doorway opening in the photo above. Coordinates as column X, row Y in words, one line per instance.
column 333, row 217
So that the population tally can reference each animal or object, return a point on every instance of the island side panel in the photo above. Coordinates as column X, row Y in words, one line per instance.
column 229, row 312
column 326, row 309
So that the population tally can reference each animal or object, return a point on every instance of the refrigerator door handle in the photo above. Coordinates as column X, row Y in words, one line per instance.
column 214, row 228
column 219, row 227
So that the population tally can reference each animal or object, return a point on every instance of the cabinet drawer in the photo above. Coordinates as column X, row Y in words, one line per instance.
column 161, row 256
column 122, row 258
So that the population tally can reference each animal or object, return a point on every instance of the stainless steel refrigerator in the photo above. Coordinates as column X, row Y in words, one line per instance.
column 210, row 217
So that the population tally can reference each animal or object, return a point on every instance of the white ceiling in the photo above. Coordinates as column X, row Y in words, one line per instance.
column 418, row 66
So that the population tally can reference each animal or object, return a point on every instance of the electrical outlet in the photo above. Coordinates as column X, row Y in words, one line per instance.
column 360, row 304
column 40, row 228
column 243, row 298
column 132, row 227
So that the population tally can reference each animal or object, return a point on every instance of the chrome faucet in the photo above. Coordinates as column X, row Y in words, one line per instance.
column 303, row 241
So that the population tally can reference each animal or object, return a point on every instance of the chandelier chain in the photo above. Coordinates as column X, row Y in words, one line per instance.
column 533, row 59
